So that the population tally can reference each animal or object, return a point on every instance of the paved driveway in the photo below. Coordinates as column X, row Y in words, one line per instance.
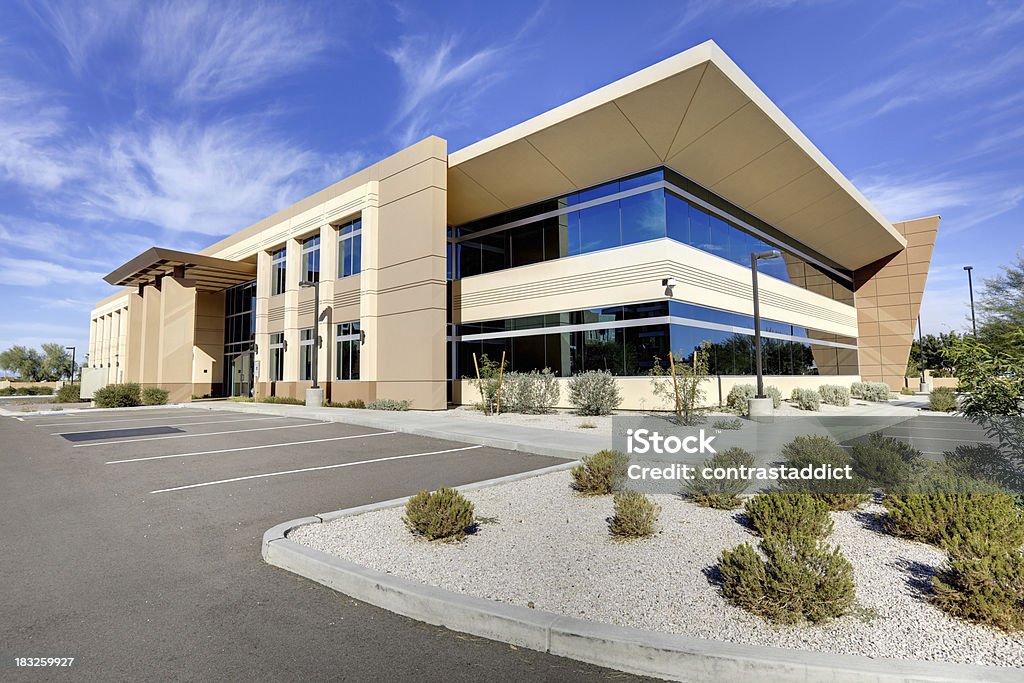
column 131, row 541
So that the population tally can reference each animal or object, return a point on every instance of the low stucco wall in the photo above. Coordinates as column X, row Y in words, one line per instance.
column 637, row 392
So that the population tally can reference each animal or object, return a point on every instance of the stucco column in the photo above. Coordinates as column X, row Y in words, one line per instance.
column 328, row 275
column 262, row 355
column 368, row 278
column 293, row 260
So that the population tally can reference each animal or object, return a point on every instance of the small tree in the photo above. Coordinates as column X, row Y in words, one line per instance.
column 682, row 384
column 487, row 384
column 26, row 363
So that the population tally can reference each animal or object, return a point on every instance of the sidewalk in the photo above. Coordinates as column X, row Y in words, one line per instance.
column 551, row 442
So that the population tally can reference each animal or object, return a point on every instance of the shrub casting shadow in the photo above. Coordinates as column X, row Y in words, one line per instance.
column 919, row 576
column 871, row 521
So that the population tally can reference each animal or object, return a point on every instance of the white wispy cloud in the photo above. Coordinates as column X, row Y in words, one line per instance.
column 443, row 79
column 968, row 201
column 32, row 123
column 21, row 272
column 215, row 50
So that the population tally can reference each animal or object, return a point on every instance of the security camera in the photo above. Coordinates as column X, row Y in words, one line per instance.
column 669, row 282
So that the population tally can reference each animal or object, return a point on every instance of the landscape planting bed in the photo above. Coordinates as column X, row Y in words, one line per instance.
column 541, row 545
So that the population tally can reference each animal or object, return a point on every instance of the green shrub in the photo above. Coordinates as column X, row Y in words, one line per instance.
column 870, row 391
column 907, row 391
column 282, row 400
column 722, row 494
column 985, row 461
column 601, row 473
column 388, row 404
column 774, row 394
column 728, row 424
column 834, row 395
column 529, row 392
column 738, row 397
column 69, row 393
column 154, row 396
column 982, row 582
column 885, row 462
column 799, row 580
column 788, row 514
column 806, row 399
column 594, row 393
column 942, row 399
column 634, row 515
column 118, row 396
column 356, row 403
column 26, row 391
column 944, row 510
column 444, row 514
column 813, row 450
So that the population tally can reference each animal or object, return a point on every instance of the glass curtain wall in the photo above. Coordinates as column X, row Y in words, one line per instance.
column 239, row 335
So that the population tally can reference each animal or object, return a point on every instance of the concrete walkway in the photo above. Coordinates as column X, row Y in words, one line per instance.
column 551, row 442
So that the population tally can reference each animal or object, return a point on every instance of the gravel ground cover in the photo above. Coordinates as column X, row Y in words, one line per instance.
column 541, row 545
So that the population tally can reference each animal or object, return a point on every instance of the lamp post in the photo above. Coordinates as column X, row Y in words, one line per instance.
column 72, row 349
column 754, row 258
column 315, row 395
column 920, row 344
column 970, row 288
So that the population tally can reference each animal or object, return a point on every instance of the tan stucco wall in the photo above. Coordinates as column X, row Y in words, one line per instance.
column 888, row 299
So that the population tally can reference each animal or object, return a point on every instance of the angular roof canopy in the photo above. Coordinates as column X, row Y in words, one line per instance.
column 698, row 114
column 208, row 273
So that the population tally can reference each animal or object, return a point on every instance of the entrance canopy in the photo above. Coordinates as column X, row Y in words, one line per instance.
column 208, row 273
column 698, row 114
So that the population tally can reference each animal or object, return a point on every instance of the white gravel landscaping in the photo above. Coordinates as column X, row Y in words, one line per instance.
column 544, row 546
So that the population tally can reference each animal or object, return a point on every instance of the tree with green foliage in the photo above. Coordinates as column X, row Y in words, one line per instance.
column 56, row 362
column 24, row 362
column 934, row 358
column 1000, row 309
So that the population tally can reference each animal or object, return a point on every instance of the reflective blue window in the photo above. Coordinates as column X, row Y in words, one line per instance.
column 643, row 217
column 599, row 227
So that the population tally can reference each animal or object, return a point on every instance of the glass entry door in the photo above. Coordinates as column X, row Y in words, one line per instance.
column 240, row 371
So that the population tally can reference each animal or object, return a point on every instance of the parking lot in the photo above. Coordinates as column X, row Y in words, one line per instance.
column 132, row 543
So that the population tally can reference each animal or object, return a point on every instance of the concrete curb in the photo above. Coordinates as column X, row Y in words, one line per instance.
column 359, row 418
column 90, row 411
column 663, row 655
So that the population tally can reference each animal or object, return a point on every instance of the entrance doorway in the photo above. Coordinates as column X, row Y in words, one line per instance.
column 240, row 374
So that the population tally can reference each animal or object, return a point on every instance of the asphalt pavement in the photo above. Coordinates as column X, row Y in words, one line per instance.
column 131, row 542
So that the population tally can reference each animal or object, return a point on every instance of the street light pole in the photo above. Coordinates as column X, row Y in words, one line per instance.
column 754, row 258
column 920, row 344
column 970, row 287
column 316, row 326
column 72, row 362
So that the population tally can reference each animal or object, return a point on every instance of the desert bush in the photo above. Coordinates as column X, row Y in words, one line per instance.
column 444, row 514
column 69, row 393
column 388, row 404
column 722, row 494
column 907, row 391
column 282, row 400
column 870, row 391
column 806, row 399
column 356, row 403
column 634, row 515
column 529, row 392
column 834, row 395
column 154, row 396
column 788, row 514
column 774, row 394
column 738, row 396
column 26, row 391
column 885, row 462
column 601, row 473
column 685, row 390
column 944, row 509
column 799, row 580
column 982, row 582
column 728, row 424
column 118, row 396
column 813, row 450
column 985, row 461
column 942, row 399
column 594, row 392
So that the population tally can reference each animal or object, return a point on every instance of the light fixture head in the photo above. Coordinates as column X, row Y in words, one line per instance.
column 306, row 283
column 968, row 267
column 765, row 255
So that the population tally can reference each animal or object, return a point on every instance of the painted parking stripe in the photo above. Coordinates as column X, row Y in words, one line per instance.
column 180, row 424
column 192, row 436
column 245, row 448
column 69, row 423
column 314, row 469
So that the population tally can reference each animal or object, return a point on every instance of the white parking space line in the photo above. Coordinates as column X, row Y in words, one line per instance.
column 178, row 424
column 245, row 448
column 192, row 436
column 69, row 423
column 314, row 469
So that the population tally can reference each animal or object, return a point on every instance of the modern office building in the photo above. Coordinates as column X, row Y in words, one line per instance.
column 598, row 235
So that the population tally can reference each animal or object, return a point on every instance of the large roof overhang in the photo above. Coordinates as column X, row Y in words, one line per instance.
column 208, row 274
column 698, row 114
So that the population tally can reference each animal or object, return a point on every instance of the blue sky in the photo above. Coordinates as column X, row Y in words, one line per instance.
column 128, row 124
